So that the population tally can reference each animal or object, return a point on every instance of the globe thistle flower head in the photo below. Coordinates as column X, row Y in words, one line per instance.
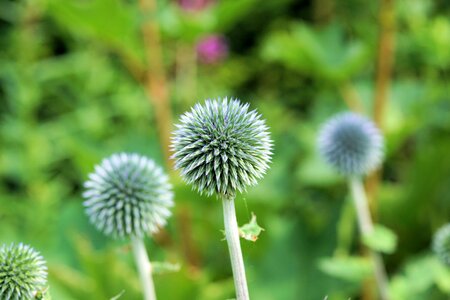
column 221, row 147
column 352, row 144
column 22, row 272
column 128, row 195
column 441, row 244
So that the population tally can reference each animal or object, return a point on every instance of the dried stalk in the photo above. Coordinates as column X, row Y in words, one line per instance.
column 156, row 82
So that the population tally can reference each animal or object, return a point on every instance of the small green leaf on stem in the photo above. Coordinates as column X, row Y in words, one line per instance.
column 381, row 239
column 251, row 230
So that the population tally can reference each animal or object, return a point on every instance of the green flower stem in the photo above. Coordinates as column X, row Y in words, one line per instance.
column 145, row 268
column 366, row 227
column 234, row 247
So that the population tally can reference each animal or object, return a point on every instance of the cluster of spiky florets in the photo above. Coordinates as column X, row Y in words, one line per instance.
column 128, row 195
column 352, row 144
column 441, row 244
column 221, row 147
column 22, row 272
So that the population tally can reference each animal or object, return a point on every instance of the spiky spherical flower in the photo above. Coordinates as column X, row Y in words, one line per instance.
column 128, row 195
column 441, row 244
column 22, row 272
column 221, row 147
column 352, row 144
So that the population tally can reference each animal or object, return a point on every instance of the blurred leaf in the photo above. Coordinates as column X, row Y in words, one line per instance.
column 354, row 269
column 417, row 278
column 184, row 25
column 324, row 55
column 110, row 21
column 315, row 172
column 228, row 12
column 381, row 239
column 442, row 277
column 436, row 40
column 345, row 228
column 99, row 273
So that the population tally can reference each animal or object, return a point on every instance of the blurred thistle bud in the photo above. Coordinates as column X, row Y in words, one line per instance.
column 128, row 195
column 22, row 272
column 441, row 244
column 212, row 49
column 352, row 144
column 193, row 5
column 221, row 147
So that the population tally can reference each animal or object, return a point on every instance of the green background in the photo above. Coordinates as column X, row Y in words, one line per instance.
column 69, row 96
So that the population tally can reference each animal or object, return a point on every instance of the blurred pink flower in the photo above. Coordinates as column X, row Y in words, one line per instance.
column 212, row 49
column 194, row 5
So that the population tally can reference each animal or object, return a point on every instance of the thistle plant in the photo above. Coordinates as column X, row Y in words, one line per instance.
column 441, row 244
column 220, row 147
column 23, row 274
column 351, row 144
column 129, row 196
column 354, row 146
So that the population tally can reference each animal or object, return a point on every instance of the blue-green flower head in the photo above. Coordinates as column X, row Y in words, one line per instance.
column 22, row 272
column 441, row 244
column 128, row 195
column 221, row 147
column 351, row 144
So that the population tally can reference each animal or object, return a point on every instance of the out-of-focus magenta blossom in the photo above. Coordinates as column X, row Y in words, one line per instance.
column 212, row 49
column 194, row 5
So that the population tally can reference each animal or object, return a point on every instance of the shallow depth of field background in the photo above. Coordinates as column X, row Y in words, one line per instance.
column 82, row 79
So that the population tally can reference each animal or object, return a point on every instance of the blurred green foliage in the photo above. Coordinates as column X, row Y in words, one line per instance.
column 71, row 93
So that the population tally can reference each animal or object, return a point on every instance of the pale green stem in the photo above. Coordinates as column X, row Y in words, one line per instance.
column 366, row 227
column 234, row 247
column 144, row 267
